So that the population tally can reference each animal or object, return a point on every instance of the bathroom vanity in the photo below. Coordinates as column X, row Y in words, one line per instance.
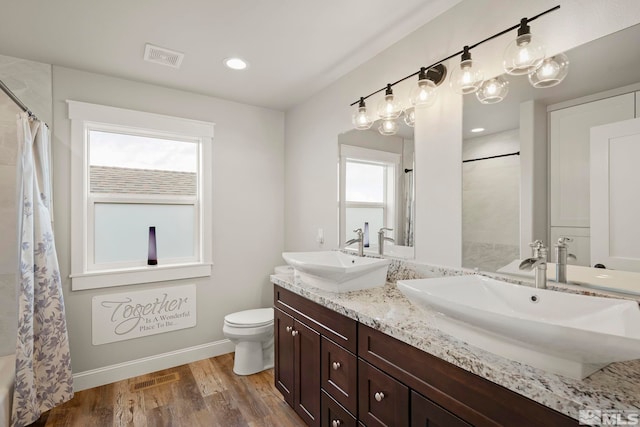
column 371, row 358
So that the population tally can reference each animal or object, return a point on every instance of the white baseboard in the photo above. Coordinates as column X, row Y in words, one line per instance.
column 134, row 368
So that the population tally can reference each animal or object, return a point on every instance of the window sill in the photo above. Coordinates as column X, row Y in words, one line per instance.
column 130, row 276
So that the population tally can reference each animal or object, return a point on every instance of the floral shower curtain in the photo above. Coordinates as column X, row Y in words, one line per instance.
column 43, row 364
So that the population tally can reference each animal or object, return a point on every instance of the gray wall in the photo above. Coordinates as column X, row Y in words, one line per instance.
column 248, row 207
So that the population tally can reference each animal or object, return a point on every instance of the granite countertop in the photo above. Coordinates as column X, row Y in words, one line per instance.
column 615, row 387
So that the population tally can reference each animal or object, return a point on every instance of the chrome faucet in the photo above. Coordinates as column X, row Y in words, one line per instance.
column 539, row 262
column 382, row 239
column 561, row 259
column 359, row 241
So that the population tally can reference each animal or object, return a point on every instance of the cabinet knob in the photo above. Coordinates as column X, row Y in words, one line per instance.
column 289, row 328
column 336, row 365
column 379, row 396
column 294, row 333
column 336, row 423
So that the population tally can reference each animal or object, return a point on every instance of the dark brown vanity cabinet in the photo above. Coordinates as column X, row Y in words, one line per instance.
column 315, row 354
column 336, row 372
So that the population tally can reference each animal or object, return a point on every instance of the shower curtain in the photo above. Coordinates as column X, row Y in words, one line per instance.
column 43, row 364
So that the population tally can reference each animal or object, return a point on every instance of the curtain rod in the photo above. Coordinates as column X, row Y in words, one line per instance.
column 17, row 101
column 533, row 18
column 517, row 153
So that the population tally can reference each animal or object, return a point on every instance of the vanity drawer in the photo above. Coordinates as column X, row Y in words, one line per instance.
column 474, row 399
column 383, row 401
column 340, row 329
column 426, row 413
column 334, row 415
column 339, row 372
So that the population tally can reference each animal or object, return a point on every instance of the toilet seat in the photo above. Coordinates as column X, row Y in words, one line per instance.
column 250, row 318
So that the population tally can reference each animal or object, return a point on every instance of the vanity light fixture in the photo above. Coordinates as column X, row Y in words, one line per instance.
column 361, row 119
column 468, row 77
column 236, row 63
column 493, row 90
column 551, row 72
column 389, row 108
column 425, row 93
column 524, row 54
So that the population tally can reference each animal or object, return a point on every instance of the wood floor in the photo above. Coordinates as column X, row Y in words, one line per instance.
column 204, row 393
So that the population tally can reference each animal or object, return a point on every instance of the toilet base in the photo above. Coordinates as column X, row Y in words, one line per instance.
column 250, row 358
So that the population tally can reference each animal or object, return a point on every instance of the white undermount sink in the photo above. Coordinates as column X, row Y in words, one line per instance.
column 336, row 271
column 568, row 334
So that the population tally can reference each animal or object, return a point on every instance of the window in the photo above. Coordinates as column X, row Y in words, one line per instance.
column 132, row 171
column 367, row 190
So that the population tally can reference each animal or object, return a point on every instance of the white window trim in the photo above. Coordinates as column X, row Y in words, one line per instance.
column 83, row 115
column 355, row 153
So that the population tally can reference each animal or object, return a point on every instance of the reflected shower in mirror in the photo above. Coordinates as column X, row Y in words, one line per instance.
column 376, row 187
column 602, row 87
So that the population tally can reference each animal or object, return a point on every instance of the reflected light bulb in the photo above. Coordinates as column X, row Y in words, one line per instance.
column 551, row 72
column 388, row 127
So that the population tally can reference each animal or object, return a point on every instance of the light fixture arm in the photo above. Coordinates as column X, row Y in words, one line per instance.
column 523, row 27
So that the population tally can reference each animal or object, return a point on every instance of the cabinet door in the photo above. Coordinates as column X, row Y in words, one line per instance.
column 307, row 373
column 284, row 361
column 383, row 401
column 569, row 133
column 615, row 205
column 425, row 413
column 340, row 374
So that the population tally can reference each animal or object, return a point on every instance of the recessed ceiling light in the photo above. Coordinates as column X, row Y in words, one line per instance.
column 236, row 63
column 476, row 130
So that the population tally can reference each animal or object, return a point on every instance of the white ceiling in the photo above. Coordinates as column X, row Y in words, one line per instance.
column 294, row 47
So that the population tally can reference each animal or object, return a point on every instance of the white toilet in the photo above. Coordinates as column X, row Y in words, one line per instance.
column 252, row 333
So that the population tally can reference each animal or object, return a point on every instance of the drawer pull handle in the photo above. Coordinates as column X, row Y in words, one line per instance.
column 379, row 396
column 289, row 328
column 336, row 365
column 294, row 333
column 336, row 423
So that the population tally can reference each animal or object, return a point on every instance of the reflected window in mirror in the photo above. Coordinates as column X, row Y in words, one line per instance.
column 375, row 185
column 369, row 190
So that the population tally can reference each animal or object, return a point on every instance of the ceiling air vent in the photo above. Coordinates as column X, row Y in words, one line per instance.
column 162, row 56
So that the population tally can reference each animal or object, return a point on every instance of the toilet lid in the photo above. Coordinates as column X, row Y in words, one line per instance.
column 250, row 318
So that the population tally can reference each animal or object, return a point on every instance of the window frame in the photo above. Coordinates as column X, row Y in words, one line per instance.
column 355, row 154
column 85, row 273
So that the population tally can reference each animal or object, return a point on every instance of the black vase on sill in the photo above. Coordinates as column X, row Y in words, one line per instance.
column 152, row 258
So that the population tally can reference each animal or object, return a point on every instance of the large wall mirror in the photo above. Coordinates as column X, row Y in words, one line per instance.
column 601, row 89
column 376, row 187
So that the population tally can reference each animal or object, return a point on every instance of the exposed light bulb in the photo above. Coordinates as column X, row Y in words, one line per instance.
column 389, row 108
column 360, row 118
column 551, row 72
column 493, row 90
column 524, row 54
column 424, row 94
column 388, row 127
column 468, row 77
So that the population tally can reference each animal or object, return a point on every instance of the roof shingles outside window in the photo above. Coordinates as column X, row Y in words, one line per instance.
column 113, row 180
